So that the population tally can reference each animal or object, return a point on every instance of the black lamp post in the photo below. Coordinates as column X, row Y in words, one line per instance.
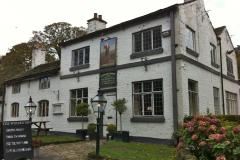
column 99, row 103
column 30, row 108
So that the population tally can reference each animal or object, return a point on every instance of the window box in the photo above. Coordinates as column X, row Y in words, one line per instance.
column 148, row 119
column 83, row 66
column 146, row 53
column 77, row 119
column 192, row 52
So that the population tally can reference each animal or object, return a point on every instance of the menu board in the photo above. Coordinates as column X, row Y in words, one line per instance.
column 17, row 140
column 108, row 80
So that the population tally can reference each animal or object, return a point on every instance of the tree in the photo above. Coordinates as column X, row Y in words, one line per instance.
column 56, row 33
column 120, row 106
column 82, row 110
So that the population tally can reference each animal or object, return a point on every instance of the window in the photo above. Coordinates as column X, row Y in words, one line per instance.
column 190, row 39
column 214, row 57
column 77, row 96
column 229, row 66
column 44, row 83
column 80, row 56
column 15, row 110
column 216, row 101
column 16, row 88
column 148, row 98
column 193, row 97
column 147, row 40
column 43, row 108
column 231, row 99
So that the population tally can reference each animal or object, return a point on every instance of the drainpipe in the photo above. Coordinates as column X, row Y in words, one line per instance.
column 174, row 74
column 221, row 74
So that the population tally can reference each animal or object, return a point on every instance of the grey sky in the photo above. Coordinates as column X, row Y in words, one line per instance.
column 20, row 17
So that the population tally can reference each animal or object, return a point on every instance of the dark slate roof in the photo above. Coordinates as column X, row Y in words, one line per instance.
column 219, row 30
column 48, row 69
column 99, row 33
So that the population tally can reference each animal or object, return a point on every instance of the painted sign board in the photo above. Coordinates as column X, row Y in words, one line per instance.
column 17, row 140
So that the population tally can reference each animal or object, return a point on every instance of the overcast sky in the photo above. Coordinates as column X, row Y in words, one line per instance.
column 20, row 17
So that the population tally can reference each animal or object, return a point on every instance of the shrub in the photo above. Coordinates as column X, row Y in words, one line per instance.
column 92, row 128
column 205, row 137
column 111, row 128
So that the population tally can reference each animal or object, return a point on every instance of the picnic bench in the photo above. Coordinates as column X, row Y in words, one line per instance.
column 41, row 127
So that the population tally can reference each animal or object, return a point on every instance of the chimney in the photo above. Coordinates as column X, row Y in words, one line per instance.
column 96, row 23
column 38, row 56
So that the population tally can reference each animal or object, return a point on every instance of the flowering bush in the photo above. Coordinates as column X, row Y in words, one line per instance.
column 207, row 139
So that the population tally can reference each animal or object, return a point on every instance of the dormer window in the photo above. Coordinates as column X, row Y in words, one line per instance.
column 44, row 83
column 80, row 56
column 16, row 88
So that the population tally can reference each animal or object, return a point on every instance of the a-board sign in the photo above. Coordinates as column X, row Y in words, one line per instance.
column 17, row 140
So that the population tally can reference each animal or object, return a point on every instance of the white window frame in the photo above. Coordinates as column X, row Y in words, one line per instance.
column 231, row 103
column 84, row 56
column 15, row 110
column 77, row 99
column 195, row 93
column 216, row 100
column 44, row 83
column 214, row 55
column 229, row 63
column 190, row 38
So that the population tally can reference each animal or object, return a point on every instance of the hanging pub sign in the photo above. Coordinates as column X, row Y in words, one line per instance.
column 17, row 140
column 108, row 80
column 108, row 52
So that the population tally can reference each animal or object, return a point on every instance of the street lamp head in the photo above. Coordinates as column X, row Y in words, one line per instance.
column 99, row 102
column 30, row 107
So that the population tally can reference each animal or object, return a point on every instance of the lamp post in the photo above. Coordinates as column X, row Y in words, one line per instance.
column 30, row 108
column 98, row 103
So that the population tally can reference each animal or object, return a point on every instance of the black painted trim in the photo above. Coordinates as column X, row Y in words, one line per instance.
column 191, row 52
column 146, row 53
column 148, row 119
column 215, row 65
column 106, row 90
column 77, row 119
column 83, row 66
column 57, row 114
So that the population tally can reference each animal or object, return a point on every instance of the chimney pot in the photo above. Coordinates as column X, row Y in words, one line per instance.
column 100, row 17
column 95, row 15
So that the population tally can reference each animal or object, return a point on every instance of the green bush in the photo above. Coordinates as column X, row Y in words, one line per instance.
column 207, row 139
column 111, row 128
column 92, row 128
column 231, row 118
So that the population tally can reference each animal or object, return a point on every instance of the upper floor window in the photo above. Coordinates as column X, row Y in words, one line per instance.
column 44, row 83
column 80, row 56
column 190, row 39
column 147, row 40
column 43, row 108
column 16, row 88
column 15, row 110
column 214, row 57
column 229, row 66
column 77, row 96
column 148, row 98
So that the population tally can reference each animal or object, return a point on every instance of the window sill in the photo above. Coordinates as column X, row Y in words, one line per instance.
column 215, row 65
column 191, row 52
column 146, row 53
column 56, row 114
column 148, row 119
column 79, row 67
column 77, row 119
column 230, row 75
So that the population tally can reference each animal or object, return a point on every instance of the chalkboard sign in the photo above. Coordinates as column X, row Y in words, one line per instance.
column 108, row 80
column 17, row 140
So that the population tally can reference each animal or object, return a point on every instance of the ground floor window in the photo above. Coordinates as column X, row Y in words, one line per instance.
column 193, row 97
column 231, row 102
column 15, row 110
column 216, row 101
column 43, row 108
column 77, row 96
column 148, row 98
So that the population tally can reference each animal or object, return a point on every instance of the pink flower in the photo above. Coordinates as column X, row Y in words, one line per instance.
column 212, row 128
column 236, row 130
column 194, row 137
column 202, row 144
column 217, row 137
column 223, row 130
column 221, row 157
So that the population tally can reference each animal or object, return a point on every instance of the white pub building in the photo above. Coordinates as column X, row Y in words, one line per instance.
column 166, row 64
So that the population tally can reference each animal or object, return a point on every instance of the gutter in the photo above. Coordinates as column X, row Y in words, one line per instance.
column 221, row 74
column 174, row 73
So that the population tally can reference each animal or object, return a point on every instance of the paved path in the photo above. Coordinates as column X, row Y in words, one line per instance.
column 68, row 151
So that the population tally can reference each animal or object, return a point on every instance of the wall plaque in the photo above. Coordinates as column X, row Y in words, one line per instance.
column 108, row 80
column 17, row 140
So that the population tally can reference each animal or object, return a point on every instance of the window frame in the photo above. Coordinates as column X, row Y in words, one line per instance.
column 16, row 88
column 76, row 98
column 15, row 110
column 218, row 99
column 229, row 63
column 84, row 56
column 193, row 39
column 43, row 112
column 228, row 99
column 142, row 40
column 197, row 96
column 214, row 56
column 44, row 83
column 143, row 93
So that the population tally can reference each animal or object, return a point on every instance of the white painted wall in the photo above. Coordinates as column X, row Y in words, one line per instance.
column 38, row 57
